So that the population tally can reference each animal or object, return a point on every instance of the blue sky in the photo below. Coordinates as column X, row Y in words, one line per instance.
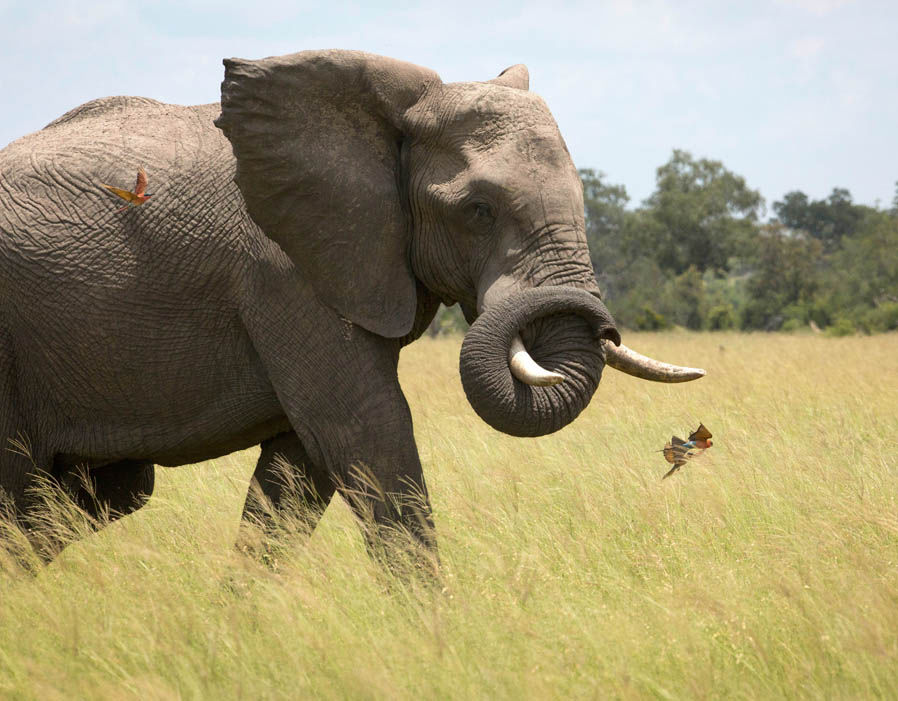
column 790, row 94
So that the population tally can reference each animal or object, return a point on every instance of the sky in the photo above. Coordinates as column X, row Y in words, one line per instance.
column 789, row 94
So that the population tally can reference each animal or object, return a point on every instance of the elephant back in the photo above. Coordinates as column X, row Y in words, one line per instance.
column 105, row 106
column 53, row 206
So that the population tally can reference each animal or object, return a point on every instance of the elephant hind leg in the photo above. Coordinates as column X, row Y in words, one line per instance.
column 288, row 492
column 116, row 489
column 104, row 493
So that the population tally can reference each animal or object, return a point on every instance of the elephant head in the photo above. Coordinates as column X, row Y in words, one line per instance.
column 383, row 184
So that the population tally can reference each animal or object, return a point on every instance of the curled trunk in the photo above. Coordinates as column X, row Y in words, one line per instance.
column 561, row 328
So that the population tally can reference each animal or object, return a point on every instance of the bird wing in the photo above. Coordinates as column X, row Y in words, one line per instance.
column 124, row 194
column 675, row 451
column 141, row 187
column 700, row 434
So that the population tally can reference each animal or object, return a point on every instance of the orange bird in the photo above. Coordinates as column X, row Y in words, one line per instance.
column 678, row 451
column 136, row 198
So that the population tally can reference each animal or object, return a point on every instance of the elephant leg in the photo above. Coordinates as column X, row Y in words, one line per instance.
column 371, row 452
column 395, row 512
column 287, row 483
column 369, row 444
column 116, row 489
column 105, row 493
column 25, row 483
column 338, row 385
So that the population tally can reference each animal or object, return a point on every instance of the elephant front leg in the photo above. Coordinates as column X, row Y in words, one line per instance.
column 338, row 385
column 366, row 439
column 384, row 484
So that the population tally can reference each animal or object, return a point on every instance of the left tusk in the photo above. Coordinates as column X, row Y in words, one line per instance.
column 527, row 370
column 630, row 362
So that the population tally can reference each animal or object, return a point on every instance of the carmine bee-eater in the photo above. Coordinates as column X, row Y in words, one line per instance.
column 678, row 451
column 136, row 198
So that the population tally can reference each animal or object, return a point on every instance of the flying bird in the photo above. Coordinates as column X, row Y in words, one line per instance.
column 136, row 198
column 678, row 451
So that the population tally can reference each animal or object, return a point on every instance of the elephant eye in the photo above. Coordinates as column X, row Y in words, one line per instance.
column 482, row 214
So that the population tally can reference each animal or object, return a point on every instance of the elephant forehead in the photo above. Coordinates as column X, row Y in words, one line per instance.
column 489, row 113
column 525, row 151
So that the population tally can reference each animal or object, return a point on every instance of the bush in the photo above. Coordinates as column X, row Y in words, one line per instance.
column 882, row 318
column 722, row 317
column 448, row 321
column 842, row 327
column 684, row 299
column 792, row 325
column 649, row 320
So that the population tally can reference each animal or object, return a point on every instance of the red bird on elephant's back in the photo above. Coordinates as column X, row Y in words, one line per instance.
column 136, row 198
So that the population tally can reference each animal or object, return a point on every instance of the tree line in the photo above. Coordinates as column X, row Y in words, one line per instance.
column 697, row 253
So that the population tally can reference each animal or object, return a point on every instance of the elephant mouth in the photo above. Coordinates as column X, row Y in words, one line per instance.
column 531, row 363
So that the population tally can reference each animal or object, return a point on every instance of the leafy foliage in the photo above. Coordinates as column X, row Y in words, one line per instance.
column 828, row 221
column 700, row 214
column 448, row 321
column 784, row 278
column 696, row 254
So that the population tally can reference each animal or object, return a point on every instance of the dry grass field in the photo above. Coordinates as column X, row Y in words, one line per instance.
column 766, row 568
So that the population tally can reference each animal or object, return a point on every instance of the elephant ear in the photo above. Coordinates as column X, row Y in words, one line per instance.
column 516, row 76
column 318, row 136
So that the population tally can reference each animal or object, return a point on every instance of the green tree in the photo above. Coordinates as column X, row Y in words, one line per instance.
column 865, row 272
column 784, row 281
column 700, row 215
column 829, row 221
column 639, row 295
column 606, row 224
column 448, row 321
column 684, row 300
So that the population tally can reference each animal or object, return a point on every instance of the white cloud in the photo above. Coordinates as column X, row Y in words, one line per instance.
column 807, row 49
column 820, row 8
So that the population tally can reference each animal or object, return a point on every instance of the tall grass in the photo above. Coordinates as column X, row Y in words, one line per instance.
column 767, row 567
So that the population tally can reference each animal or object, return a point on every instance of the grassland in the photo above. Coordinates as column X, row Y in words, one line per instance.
column 767, row 568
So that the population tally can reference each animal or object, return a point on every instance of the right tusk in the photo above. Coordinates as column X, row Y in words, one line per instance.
column 629, row 361
column 527, row 370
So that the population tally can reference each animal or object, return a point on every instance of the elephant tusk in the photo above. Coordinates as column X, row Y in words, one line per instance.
column 527, row 370
column 629, row 361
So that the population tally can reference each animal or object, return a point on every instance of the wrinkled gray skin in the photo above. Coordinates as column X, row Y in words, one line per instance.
column 299, row 235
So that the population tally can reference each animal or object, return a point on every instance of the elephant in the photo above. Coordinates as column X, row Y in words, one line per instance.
column 300, row 234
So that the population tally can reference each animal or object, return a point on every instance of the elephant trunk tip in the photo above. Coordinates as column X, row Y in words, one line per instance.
column 609, row 333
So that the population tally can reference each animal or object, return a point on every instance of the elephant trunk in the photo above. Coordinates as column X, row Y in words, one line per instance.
column 562, row 328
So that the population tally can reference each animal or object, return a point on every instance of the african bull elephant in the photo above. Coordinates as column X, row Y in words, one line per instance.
column 299, row 235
